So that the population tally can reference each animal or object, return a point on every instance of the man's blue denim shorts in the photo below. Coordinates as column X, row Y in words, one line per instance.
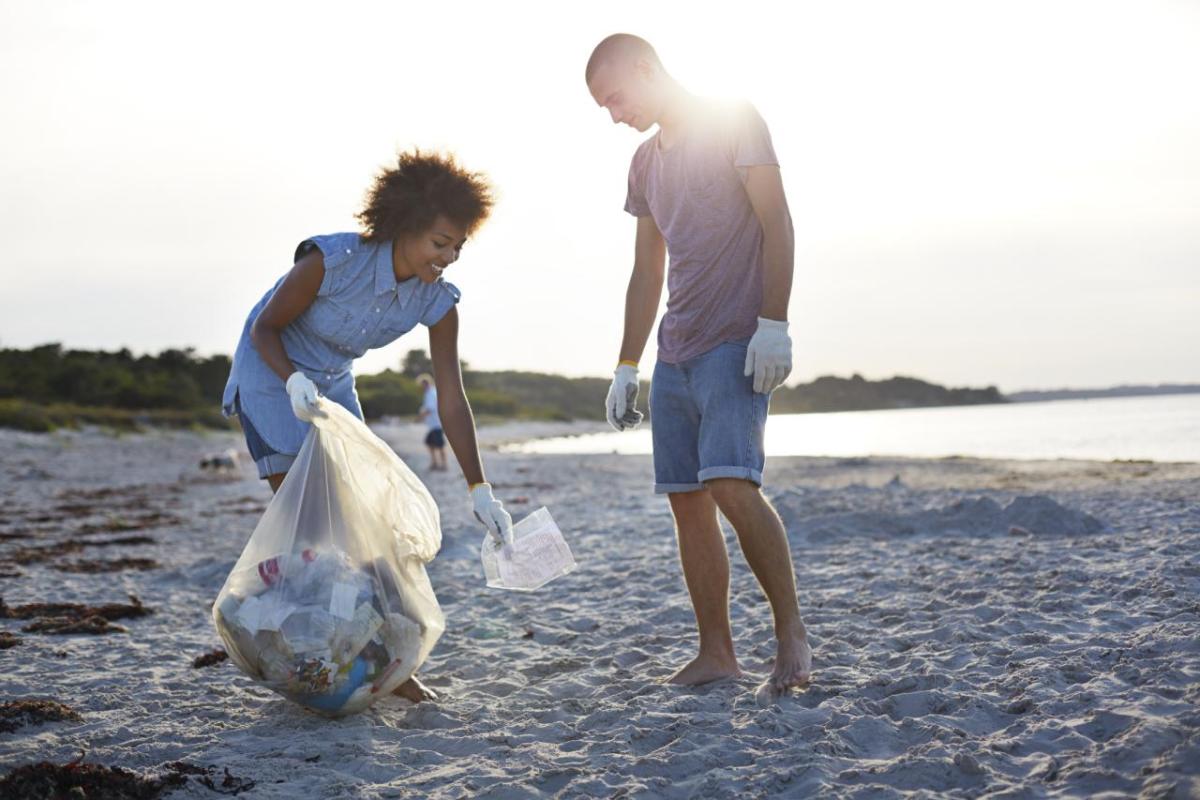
column 706, row 420
column 268, row 461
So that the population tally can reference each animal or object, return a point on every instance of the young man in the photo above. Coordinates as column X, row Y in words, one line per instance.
column 706, row 188
column 435, row 439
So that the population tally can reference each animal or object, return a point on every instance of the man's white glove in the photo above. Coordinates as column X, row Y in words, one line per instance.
column 622, row 399
column 303, row 394
column 491, row 513
column 769, row 355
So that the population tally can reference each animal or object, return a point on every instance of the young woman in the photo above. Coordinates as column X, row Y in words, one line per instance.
column 350, row 292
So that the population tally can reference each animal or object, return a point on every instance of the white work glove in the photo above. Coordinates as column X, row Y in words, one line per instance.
column 303, row 394
column 622, row 399
column 491, row 513
column 769, row 355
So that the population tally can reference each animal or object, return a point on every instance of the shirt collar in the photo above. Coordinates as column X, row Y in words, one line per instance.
column 385, row 272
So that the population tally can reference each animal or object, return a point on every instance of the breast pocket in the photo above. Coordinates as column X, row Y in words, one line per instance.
column 332, row 322
column 391, row 330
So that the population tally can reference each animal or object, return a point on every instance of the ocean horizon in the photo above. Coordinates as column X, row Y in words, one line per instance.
column 1150, row 428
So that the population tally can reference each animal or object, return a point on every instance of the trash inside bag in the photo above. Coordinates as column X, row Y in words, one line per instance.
column 538, row 555
column 329, row 603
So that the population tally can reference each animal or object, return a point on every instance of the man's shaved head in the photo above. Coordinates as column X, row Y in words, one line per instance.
column 626, row 78
column 621, row 49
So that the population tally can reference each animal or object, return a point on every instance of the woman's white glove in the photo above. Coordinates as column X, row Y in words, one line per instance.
column 491, row 513
column 769, row 355
column 622, row 399
column 303, row 394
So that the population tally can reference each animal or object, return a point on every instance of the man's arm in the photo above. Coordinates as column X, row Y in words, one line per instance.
column 645, row 289
column 764, row 185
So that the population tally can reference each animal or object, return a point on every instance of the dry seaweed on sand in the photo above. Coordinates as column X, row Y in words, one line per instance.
column 93, row 781
column 60, row 626
column 108, row 611
column 117, row 524
column 92, row 566
column 230, row 784
column 19, row 713
column 37, row 555
column 209, row 659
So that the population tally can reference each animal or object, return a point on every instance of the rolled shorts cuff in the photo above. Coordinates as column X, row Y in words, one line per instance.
column 274, row 464
column 677, row 488
column 745, row 473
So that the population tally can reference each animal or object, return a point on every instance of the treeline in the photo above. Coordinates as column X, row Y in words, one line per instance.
column 47, row 387
column 524, row 395
column 175, row 379
column 858, row 394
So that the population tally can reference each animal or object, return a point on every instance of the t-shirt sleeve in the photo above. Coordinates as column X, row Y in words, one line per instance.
column 336, row 251
column 444, row 296
column 635, row 196
column 752, row 141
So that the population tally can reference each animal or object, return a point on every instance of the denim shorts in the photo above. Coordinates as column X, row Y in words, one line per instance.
column 706, row 420
column 268, row 461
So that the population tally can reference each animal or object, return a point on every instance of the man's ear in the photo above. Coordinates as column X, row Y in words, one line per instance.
column 645, row 69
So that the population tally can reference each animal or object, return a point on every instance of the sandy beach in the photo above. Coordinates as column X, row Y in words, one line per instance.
column 981, row 629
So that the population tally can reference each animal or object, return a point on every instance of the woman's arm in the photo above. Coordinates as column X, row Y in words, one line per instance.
column 457, row 420
column 290, row 300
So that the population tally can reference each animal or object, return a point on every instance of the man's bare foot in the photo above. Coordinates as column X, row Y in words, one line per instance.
column 414, row 691
column 793, row 668
column 706, row 669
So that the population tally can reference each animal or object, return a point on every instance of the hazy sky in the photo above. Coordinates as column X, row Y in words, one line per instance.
column 983, row 193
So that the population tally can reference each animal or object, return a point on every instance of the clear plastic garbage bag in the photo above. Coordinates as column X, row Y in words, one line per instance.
column 538, row 555
column 330, row 604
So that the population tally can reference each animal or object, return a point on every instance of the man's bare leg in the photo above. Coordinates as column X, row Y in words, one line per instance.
column 706, row 572
column 764, row 542
column 412, row 689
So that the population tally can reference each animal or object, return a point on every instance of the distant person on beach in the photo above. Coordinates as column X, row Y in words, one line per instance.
column 435, row 439
column 347, row 293
column 706, row 189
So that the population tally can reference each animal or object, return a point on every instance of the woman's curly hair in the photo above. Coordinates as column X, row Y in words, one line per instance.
column 408, row 197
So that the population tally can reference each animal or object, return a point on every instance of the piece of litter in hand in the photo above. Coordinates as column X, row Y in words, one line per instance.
column 538, row 555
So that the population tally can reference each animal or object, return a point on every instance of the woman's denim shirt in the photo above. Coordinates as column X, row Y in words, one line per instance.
column 359, row 306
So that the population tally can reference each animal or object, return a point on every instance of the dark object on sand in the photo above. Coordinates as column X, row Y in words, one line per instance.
column 8, row 640
column 109, row 611
column 230, row 784
column 62, row 626
column 210, row 659
column 19, row 713
column 93, row 781
column 93, row 566
column 37, row 555
column 226, row 461
column 63, row 618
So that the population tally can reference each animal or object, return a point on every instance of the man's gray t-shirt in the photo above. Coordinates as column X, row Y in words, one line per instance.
column 695, row 191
